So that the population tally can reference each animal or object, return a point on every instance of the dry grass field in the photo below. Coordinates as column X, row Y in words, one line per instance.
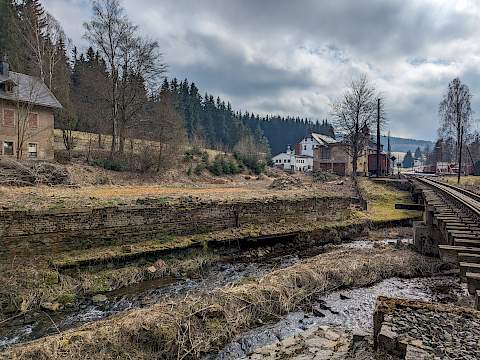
column 237, row 187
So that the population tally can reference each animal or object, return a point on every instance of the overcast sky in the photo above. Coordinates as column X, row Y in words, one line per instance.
column 295, row 57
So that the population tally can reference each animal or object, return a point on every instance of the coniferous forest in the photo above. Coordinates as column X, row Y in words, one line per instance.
column 142, row 98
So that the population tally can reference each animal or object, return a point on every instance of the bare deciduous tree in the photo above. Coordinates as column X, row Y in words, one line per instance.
column 106, row 32
column 26, row 126
column 164, row 124
column 132, row 62
column 354, row 113
column 455, row 112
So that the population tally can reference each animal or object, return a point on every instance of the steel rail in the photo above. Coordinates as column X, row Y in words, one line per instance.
column 466, row 198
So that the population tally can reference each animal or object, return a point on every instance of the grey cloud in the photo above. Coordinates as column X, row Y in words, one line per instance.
column 315, row 48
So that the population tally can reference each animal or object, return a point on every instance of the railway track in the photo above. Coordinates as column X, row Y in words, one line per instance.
column 455, row 213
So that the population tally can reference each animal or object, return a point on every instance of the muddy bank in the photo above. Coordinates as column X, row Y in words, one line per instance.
column 147, row 293
column 179, row 328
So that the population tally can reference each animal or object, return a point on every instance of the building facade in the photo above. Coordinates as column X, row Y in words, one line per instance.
column 26, row 116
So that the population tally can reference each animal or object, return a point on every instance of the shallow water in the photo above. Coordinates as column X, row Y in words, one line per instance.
column 141, row 295
column 355, row 312
column 351, row 309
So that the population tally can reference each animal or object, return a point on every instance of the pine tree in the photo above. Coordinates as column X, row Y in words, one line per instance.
column 408, row 160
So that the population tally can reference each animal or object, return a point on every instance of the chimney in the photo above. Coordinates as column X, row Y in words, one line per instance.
column 4, row 68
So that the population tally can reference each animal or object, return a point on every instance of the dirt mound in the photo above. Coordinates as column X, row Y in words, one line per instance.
column 33, row 173
column 286, row 183
column 323, row 176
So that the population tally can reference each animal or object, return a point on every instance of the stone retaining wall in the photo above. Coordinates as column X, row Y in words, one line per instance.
column 27, row 232
column 411, row 329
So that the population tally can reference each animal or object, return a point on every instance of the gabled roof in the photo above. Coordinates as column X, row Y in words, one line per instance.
column 324, row 139
column 28, row 89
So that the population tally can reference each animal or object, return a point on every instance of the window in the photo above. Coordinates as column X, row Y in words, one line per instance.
column 288, row 160
column 304, row 147
column 33, row 120
column 8, row 117
column 325, row 153
column 32, row 151
column 8, row 148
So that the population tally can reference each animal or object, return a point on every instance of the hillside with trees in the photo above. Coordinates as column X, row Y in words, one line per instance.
column 118, row 88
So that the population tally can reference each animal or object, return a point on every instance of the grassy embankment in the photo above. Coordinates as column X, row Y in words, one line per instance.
column 473, row 181
column 381, row 200
column 30, row 282
column 194, row 326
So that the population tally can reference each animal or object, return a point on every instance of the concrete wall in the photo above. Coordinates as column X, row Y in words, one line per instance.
column 24, row 233
column 42, row 135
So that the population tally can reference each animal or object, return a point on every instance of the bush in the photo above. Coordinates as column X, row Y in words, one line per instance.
column 199, row 169
column 205, row 157
column 223, row 166
column 110, row 164
column 251, row 162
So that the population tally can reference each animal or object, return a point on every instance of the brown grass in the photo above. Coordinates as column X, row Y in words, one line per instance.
column 44, row 197
column 381, row 200
column 194, row 326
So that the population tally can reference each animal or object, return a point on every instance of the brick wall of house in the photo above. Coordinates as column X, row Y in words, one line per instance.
column 41, row 135
column 43, row 232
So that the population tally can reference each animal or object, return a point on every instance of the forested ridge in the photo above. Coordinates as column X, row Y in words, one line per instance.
column 140, row 102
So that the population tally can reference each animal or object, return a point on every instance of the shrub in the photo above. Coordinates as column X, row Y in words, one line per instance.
column 110, row 164
column 205, row 157
column 199, row 168
column 252, row 163
column 222, row 165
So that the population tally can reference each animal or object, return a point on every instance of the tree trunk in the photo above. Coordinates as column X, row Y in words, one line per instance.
column 354, row 165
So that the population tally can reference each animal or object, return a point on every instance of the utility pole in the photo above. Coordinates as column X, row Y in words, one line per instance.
column 460, row 148
column 378, row 138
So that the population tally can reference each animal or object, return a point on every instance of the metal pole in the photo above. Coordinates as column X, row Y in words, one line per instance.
column 378, row 138
column 460, row 156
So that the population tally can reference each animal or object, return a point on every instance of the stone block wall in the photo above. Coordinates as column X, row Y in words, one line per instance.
column 39, row 232
column 412, row 329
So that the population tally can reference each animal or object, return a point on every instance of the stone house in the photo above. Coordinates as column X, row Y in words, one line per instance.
column 336, row 158
column 26, row 116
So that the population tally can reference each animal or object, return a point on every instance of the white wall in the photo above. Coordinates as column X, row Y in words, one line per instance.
column 303, row 164
column 307, row 145
column 285, row 160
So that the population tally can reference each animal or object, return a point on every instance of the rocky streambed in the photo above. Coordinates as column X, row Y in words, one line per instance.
column 350, row 309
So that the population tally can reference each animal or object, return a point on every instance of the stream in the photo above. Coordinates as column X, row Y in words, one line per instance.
column 350, row 308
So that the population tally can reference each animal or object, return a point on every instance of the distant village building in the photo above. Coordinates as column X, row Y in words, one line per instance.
column 319, row 152
column 291, row 162
column 26, row 116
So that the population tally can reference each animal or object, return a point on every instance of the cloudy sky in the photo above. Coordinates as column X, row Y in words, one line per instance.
column 295, row 57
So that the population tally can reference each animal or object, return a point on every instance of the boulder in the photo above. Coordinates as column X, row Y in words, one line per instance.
column 51, row 306
column 99, row 298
